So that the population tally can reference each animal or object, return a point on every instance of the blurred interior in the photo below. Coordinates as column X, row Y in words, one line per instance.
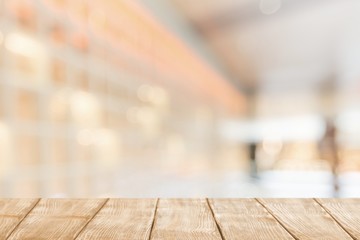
column 179, row 98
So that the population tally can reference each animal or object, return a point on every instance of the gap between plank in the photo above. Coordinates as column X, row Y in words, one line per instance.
column 17, row 225
column 328, row 212
column 216, row 222
column 154, row 218
column 87, row 223
column 273, row 215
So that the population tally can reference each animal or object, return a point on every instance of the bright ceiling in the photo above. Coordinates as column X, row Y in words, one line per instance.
column 277, row 45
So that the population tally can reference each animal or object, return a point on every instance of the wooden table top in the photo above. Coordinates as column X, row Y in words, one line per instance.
column 180, row 218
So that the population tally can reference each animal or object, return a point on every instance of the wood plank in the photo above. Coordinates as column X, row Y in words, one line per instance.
column 184, row 219
column 122, row 219
column 304, row 218
column 246, row 219
column 346, row 212
column 57, row 218
column 12, row 211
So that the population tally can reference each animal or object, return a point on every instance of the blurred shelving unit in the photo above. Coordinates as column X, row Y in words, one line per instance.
column 89, row 88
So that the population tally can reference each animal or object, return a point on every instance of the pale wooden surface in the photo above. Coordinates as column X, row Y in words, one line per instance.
column 246, row 219
column 179, row 219
column 122, row 219
column 304, row 219
column 346, row 212
column 12, row 212
column 184, row 219
column 57, row 218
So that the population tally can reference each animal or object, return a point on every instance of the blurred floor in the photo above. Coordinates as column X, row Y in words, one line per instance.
column 156, row 181
column 236, row 184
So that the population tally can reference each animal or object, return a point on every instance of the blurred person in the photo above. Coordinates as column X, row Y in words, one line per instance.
column 328, row 149
column 252, row 146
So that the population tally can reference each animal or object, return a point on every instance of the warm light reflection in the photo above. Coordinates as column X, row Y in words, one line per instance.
column 29, row 60
column 23, row 44
column 85, row 109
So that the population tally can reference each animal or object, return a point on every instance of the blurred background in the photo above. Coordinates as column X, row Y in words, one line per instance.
column 179, row 98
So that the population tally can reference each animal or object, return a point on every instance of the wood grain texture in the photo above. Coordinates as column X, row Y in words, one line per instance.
column 12, row 211
column 184, row 219
column 122, row 219
column 346, row 212
column 305, row 218
column 57, row 218
column 246, row 219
